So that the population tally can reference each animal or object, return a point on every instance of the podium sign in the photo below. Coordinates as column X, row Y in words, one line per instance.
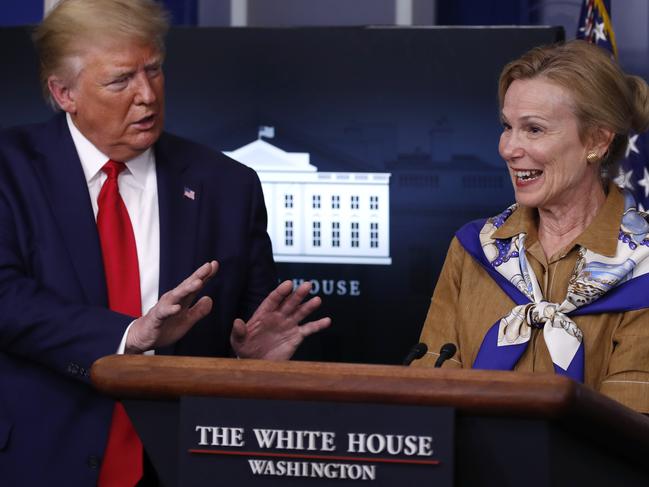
column 257, row 442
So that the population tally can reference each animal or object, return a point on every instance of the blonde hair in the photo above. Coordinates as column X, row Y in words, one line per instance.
column 603, row 95
column 73, row 24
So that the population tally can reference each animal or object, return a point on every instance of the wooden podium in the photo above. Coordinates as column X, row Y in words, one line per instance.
column 511, row 428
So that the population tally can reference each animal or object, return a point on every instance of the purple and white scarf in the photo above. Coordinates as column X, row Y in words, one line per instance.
column 599, row 284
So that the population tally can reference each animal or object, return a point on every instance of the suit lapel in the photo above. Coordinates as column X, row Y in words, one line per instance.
column 64, row 183
column 179, row 201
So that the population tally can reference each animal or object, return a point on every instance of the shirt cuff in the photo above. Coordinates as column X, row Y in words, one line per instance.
column 122, row 344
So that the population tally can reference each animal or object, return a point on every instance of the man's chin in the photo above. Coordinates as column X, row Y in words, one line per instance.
column 131, row 150
column 146, row 139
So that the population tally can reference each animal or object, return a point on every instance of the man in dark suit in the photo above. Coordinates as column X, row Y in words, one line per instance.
column 195, row 225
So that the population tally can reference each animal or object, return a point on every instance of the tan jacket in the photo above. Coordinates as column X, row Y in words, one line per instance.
column 467, row 302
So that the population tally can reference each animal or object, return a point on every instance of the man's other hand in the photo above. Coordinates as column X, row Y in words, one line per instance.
column 273, row 332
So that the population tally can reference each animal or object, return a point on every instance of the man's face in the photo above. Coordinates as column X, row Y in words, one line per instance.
column 117, row 100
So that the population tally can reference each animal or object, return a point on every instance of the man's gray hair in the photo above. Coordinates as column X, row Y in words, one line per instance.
column 73, row 25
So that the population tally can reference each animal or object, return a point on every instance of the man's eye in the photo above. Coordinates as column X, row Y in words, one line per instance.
column 535, row 130
column 119, row 81
column 506, row 126
column 153, row 70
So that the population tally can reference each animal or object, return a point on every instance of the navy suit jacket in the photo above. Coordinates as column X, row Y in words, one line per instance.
column 54, row 321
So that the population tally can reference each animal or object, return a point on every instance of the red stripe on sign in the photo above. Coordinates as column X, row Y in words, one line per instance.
column 314, row 457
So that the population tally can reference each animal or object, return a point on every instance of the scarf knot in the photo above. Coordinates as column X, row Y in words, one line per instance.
column 542, row 313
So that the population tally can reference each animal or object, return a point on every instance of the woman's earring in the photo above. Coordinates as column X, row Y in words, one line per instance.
column 592, row 157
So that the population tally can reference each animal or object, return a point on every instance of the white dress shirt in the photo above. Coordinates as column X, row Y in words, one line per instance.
column 139, row 190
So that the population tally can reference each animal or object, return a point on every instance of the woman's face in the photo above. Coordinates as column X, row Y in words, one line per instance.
column 541, row 145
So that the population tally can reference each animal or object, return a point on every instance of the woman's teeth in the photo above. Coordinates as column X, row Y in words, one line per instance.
column 527, row 175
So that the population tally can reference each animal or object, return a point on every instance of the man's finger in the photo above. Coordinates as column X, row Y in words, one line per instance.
column 212, row 269
column 163, row 310
column 274, row 299
column 186, row 291
column 295, row 299
column 199, row 310
column 203, row 273
column 183, row 290
column 314, row 326
column 305, row 309
column 238, row 331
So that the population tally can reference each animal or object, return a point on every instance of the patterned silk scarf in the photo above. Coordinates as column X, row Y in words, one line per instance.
column 598, row 284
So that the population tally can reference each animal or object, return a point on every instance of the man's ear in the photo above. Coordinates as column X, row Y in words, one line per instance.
column 62, row 93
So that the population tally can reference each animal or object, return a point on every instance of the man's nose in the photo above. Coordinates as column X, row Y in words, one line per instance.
column 145, row 93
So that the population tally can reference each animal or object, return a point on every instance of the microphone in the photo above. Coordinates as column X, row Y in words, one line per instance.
column 445, row 353
column 416, row 352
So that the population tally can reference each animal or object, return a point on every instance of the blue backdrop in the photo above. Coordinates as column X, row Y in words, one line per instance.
column 420, row 104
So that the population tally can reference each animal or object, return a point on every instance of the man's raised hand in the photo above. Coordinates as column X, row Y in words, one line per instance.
column 173, row 315
column 273, row 332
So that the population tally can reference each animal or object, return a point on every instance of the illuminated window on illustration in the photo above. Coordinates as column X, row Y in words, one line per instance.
column 335, row 202
column 288, row 201
column 316, row 234
column 288, row 233
column 354, row 202
column 355, row 234
column 374, row 202
column 374, row 235
column 335, row 234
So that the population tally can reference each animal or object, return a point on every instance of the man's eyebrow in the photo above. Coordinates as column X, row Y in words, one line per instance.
column 157, row 61
column 117, row 74
column 120, row 72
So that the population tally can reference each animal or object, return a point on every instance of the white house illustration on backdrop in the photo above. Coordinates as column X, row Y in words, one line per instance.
column 320, row 217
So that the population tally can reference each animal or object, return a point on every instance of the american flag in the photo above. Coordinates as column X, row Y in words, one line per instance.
column 595, row 26
column 266, row 131
column 189, row 193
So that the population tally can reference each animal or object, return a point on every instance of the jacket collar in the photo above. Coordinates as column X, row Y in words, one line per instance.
column 600, row 236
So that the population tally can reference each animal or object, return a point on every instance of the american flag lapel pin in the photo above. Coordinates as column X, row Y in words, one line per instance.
column 189, row 193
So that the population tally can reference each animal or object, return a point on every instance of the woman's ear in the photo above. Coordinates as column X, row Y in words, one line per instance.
column 601, row 139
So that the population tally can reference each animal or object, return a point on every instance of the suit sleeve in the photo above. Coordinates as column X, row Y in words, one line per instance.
column 262, row 274
column 38, row 325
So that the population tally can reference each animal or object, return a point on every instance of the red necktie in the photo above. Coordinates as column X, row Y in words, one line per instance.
column 122, row 465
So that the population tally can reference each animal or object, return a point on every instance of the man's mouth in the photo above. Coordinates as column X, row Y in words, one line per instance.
column 146, row 119
column 145, row 122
